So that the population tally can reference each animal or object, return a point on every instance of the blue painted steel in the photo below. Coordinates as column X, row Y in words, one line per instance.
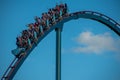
column 82, row 14
column 58, row 53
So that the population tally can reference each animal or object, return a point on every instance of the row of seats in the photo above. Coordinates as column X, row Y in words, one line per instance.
column 38, row 28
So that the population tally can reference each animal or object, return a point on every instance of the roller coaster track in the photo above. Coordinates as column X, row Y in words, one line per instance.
column 17, row 62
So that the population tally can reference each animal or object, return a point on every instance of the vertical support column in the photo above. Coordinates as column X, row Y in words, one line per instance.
column 58, row 53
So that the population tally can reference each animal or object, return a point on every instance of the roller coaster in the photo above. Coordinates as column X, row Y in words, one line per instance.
column 18, row 61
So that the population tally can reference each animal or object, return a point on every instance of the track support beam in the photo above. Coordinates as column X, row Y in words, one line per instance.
column 58, row 53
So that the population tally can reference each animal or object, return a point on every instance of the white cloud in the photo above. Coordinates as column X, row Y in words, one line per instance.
column 96, row 43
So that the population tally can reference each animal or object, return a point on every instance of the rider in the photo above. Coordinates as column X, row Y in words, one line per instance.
column 39, row 25
column 25, row 39
column 32, row 33
column 61, row 9
column 65, row 10
column 45, row 21
column 20, row 49
column 50, row 16
column 36, row 28
column 57, row 12
column 53, row 16
column 19, row 41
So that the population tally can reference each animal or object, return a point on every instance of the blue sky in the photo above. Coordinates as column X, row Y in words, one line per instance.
column 90, row 50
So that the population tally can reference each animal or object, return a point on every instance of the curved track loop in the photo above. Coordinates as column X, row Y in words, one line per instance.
column 15, row 65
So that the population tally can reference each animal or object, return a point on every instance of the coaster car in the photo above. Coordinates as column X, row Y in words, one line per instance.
column 18, row 52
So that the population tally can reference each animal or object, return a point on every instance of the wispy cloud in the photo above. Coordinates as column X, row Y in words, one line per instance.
column 96, row 43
